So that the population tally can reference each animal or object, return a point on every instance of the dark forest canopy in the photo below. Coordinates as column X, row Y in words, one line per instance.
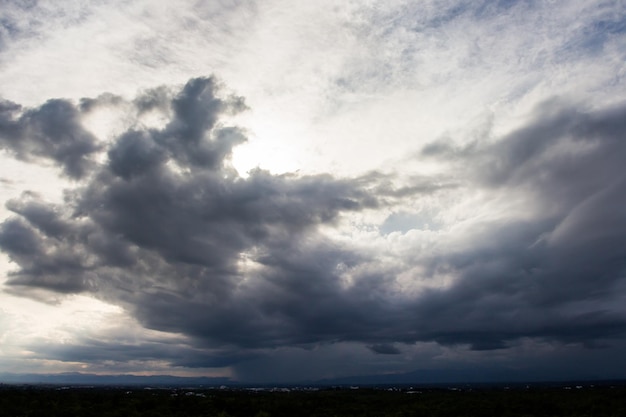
column 588, row 401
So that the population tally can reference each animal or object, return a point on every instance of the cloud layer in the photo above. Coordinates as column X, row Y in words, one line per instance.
column 406, row 184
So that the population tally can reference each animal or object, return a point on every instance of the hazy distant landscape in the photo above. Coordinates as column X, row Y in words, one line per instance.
column 425, row 378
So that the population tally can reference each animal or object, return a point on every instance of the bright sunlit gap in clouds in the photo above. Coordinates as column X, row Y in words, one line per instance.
column 271, row 145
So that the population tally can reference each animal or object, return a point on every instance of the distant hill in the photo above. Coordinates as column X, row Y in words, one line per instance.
column 426, row 377
column 75, row 378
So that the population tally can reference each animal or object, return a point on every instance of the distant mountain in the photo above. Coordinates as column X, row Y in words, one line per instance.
column 426, row 377
column 75, row 378
column 422, row 377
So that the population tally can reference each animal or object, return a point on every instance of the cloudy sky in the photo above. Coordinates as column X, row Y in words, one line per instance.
column 270, row 190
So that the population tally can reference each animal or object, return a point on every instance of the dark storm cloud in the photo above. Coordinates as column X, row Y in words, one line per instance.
column 385, row 349
column 51, row 131
column 167, row 229
column 559, row 275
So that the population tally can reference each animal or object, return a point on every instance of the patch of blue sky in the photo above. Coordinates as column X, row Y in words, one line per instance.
column 593, row 38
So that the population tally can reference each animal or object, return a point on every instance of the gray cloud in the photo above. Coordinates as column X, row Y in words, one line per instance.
column 52, row 131
column 166, row 228
column 385, row 349
column 175, row 353
column 557, row 275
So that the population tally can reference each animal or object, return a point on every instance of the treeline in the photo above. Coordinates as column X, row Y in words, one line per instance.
column 50, row 402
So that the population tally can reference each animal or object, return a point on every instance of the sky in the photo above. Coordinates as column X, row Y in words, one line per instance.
column 279, row 191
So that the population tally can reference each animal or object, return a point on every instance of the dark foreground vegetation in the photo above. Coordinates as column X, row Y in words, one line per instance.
column 18, row 401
